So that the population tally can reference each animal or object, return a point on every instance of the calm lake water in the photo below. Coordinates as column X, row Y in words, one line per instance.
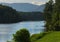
column 6, row 30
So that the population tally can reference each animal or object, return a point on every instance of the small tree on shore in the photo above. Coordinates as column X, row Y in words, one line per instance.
column 22, row 35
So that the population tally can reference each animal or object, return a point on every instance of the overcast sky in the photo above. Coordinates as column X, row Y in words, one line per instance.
column 24, row 1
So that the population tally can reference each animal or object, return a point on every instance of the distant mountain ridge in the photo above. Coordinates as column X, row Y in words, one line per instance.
column 26, row 7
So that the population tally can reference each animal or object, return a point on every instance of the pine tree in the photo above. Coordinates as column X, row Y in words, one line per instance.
column 56, row 16
column 48, row 14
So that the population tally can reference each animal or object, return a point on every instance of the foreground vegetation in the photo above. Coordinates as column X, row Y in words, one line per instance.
column 49, row 37
column 23, row 35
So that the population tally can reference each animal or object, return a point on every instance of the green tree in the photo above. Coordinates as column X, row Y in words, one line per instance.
column 8, row 41
column 48, row 14
column 22, row 35
column 56, row 16
column 8, row 15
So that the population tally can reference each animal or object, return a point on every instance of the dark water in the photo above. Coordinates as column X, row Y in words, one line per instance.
column 6, row 30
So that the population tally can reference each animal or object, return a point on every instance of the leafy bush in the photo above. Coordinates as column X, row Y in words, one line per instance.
column 22, row 35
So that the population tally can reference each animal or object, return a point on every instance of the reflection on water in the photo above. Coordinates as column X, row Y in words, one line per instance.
column 6, row 30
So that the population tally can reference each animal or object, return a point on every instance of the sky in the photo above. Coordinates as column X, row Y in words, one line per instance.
column 38, row 2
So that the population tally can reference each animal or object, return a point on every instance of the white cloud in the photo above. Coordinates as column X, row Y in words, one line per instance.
column 11, row 1
column 38, row 3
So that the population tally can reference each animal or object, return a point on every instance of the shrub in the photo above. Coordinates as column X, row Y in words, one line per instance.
column 22, row 35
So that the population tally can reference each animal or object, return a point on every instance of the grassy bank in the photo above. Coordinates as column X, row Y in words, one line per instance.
column 49, row 37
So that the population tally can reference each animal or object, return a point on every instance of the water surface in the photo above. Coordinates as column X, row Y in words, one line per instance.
column 6, row 30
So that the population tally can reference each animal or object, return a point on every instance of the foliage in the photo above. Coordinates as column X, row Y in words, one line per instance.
column 48, row 14
column 56, row 16
column 22, row 35
column 8, row 41
column 8, row 15
column 52, row 16
column 31, row 16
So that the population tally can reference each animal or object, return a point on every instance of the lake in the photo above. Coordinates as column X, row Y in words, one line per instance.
column 6, row 30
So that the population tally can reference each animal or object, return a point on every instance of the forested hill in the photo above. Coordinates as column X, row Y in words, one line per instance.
column 10, row 15
column 31, row 16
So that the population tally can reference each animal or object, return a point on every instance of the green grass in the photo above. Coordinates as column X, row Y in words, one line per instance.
column 35, row 37
column 49, row 37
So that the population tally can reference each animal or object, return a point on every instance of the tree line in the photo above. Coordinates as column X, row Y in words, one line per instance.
column 31, row 16
column 10, row 15
column 52, row 15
